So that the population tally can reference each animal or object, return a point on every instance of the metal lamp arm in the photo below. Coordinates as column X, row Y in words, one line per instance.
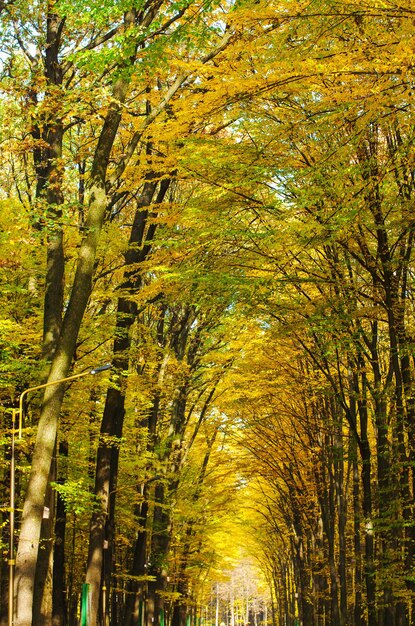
column 96, row 370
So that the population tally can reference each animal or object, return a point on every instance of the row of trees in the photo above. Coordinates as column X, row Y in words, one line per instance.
column 223, row 196
column 333, row 430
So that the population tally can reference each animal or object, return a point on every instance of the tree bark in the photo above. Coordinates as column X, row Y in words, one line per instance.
column 180, row 607
column 113, row 417
column 42, row 597
column 59, row 600
column 49, row 188
column 28, row 547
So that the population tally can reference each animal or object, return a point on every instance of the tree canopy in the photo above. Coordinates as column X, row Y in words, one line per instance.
column 216, row 198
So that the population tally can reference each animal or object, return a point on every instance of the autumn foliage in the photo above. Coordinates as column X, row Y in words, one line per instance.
column 217, row 199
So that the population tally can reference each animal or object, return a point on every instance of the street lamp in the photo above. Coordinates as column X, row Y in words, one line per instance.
column 19, row 412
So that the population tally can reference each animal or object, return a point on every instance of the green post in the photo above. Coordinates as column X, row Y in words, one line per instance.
column 84, row 604
column 161, row 617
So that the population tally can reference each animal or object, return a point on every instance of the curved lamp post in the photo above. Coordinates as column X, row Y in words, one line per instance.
column 19, row 412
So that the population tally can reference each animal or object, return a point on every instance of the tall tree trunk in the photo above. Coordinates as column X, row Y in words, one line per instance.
column 160, row 541
column 59, row 604
column 42, row 596
column 357, row 590
column 370, row 572
column 180, row 607
column 342, row 520
column 28, row 547
column 113, row 417
column 136, row 591
column 49, row 188
column 134, row 602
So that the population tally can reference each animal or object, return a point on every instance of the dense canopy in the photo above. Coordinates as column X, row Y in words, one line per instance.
column 216, row 199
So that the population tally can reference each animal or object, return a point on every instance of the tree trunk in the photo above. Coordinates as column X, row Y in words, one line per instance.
column 49, row 188
column 135, row 596
column 113, row 417
column 59, row 604
column 42, row 597
column 28, row 547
